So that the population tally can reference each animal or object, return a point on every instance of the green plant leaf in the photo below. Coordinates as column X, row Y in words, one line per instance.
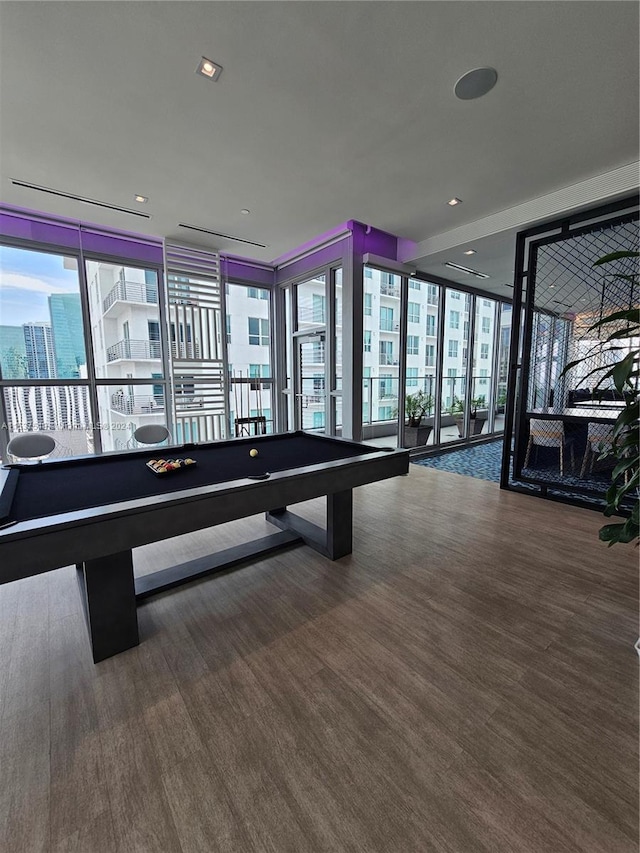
column 615, row 256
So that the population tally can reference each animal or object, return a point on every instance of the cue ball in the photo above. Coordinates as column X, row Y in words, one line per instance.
column 253, row 452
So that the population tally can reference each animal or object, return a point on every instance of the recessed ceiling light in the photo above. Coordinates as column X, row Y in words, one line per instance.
column 207, row 68
column 453, row 201
column 141, row 199
column 475, row 83
column 245, row 211
column 470, row 252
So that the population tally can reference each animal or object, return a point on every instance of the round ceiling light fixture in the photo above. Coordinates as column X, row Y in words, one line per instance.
column 475, row 83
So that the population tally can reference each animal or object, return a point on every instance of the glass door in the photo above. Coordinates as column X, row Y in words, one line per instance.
column 310, row 392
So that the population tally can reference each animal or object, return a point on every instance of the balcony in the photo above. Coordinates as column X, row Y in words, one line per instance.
column 132, row 350
column 137, row 404
column 388, row 359
column 390, row 290
column 131, row 291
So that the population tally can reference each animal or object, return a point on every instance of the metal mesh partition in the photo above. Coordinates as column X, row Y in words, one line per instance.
column 565, row 420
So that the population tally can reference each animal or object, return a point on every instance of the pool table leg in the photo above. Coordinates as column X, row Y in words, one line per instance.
column 334, row 541
column 109, row 599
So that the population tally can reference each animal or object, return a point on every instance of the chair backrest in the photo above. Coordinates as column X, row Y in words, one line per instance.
column 546, row 433
column 31, row 445
column 151, row 434
column 599, row 434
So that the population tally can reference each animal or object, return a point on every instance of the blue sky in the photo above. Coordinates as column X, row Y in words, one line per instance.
column 27, row 278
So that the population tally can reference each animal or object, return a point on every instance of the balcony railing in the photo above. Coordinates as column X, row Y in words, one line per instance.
column 390, row 290
column 131, row 291
column 137, row 404
column 133, row 350
column 388, row 359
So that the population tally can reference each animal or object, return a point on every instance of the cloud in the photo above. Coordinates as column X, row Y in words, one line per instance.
column 18, row 281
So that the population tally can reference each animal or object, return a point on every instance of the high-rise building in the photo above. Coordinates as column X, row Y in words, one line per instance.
column 38, row 342
column 68, row 334
column 13, row 353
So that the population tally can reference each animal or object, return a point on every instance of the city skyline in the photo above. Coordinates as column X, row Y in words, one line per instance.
column 28, row 279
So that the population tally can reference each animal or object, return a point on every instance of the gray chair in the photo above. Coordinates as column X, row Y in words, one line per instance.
column 151, row 434
column 543, row 433
column 599, row 440
column 31, row 445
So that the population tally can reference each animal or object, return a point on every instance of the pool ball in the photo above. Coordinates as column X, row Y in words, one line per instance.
column 253, row 452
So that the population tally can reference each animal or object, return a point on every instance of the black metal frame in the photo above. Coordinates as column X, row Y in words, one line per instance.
column 516, row 428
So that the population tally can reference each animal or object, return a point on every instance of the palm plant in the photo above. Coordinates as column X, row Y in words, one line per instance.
column 622, row 328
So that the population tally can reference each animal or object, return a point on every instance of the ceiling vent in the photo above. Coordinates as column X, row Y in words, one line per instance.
column 82, row 199
column 218, row 234
column 466, row 270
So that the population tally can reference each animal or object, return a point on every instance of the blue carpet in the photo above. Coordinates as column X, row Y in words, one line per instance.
column 483, row 461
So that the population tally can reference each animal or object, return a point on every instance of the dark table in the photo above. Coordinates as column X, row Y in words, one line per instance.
column 578, row 414
column 92, row 511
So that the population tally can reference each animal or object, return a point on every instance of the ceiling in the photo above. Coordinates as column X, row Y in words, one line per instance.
column 324, row 112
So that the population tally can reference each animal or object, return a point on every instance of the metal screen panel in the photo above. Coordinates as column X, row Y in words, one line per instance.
column 195, row 329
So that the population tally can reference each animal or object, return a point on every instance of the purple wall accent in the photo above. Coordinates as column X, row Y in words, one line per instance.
column 121, row 247
column 244, row 269
column 378, row 242
column 23, row 228
column 324, row 256
column 29, row 225
column 311, row 244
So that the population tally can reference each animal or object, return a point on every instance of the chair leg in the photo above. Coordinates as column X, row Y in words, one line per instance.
column 585, row 459
column 528, row 453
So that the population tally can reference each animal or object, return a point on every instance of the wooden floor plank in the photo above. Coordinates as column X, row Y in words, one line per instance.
column 464, row 681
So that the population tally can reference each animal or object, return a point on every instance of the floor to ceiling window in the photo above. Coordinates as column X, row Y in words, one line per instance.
column 43, row 358
column 127, row 349
column 455, row 360
column 421, row 360
column 248, row 338
column 381, row 354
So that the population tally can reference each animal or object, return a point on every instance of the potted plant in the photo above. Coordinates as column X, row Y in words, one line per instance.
column 476, row 421
column 622, row 328
column 416, row 406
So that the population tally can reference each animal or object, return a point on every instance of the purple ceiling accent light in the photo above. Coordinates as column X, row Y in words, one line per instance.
column 37, row 227
column 235, row 268
column 378, row 242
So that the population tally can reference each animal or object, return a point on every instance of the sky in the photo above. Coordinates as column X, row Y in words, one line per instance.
column 27, row 278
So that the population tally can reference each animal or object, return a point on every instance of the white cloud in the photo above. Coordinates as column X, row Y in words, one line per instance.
column 18, row 281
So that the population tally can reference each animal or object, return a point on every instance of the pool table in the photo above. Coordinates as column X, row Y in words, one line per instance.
column 92, row 511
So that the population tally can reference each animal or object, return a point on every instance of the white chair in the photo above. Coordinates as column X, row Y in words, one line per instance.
column 599, row 439
column 31, row 445
column 151, row 434
column 548, row 434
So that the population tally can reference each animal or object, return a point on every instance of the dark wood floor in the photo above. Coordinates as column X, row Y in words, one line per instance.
column 465, row 681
